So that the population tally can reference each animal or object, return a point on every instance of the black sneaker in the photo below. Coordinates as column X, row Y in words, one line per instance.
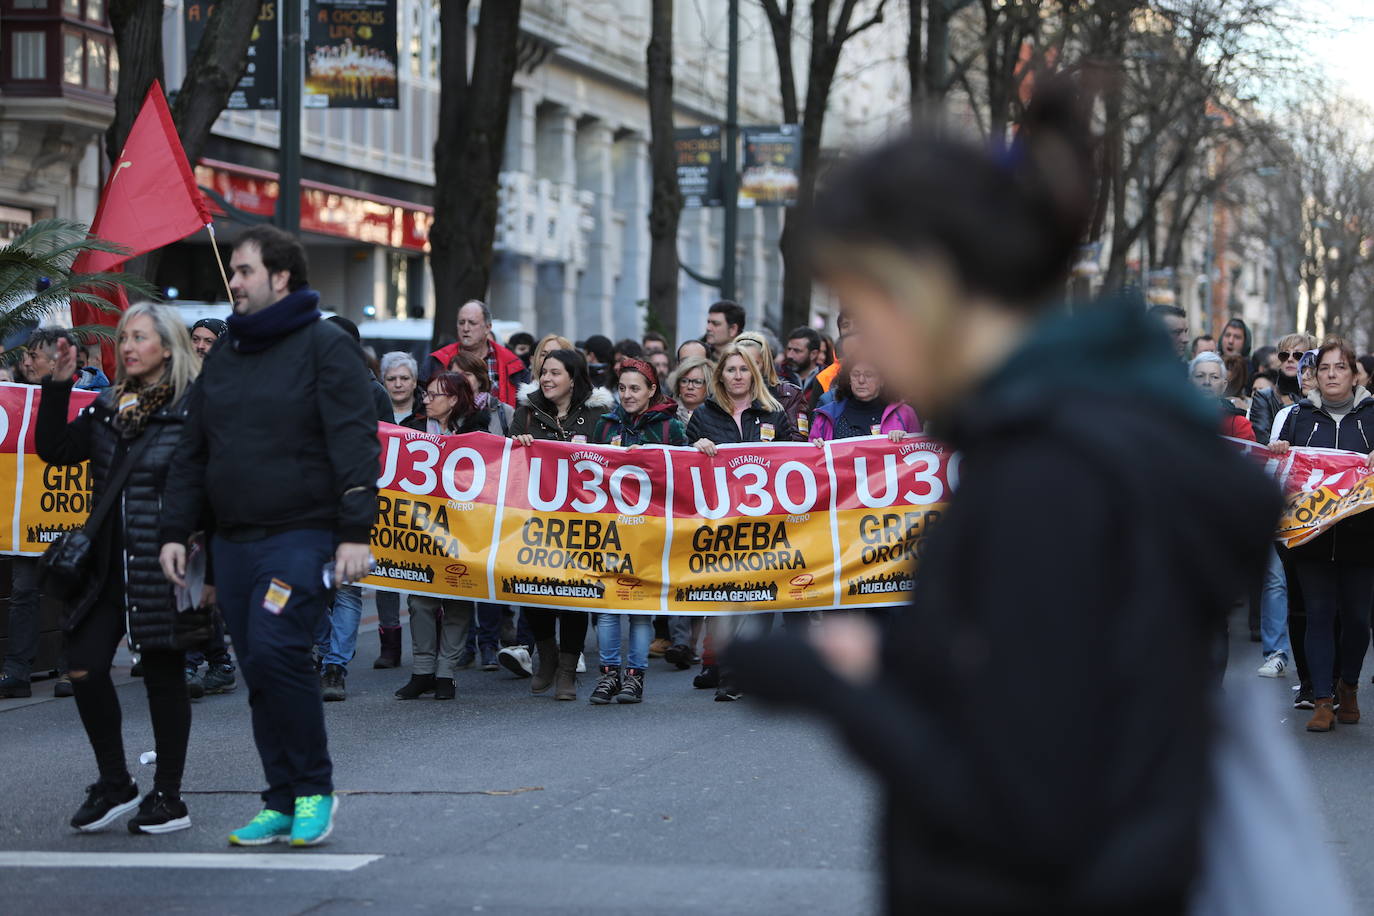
column 1303, row 698
column 160, row 813
column 219, row 679
column 63, row 687
column 195, row 685
column 708, row 678
column 332, row 684
column 607, row 686
column 680, row 655
column 13, row 688
column 631, row 686
column 103, row 805
column 727, row 692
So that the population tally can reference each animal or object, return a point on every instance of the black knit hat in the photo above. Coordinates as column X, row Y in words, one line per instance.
column 215, row 326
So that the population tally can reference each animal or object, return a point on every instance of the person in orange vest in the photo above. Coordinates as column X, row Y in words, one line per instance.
column 508, row 371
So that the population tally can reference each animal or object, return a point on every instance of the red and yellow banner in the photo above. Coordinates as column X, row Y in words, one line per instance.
column 778, row 526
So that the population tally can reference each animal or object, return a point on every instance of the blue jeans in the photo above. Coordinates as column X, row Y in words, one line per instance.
column 340, row 640
column 608, row 638
column 1274, row 607
column 274, row 655
column 1335, row 591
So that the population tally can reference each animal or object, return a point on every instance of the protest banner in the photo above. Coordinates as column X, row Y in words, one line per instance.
column 47, row 499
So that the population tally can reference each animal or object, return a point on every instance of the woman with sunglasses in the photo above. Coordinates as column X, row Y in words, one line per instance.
column 1265, row 405
column 439, row 626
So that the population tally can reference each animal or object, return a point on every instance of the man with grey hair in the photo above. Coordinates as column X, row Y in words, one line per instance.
column 508, row 371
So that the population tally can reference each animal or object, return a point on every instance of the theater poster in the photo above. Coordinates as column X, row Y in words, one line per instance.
column 257, row 88
column 351, row 55
column 700, row 165
column 770, row 167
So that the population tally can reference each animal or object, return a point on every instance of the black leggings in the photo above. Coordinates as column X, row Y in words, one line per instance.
column 572, row 627
column 90, row 650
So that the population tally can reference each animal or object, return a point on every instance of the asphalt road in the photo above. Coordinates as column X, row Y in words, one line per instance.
column 505, row 803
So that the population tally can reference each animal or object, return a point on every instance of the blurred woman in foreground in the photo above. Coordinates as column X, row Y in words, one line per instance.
column 1082, row 789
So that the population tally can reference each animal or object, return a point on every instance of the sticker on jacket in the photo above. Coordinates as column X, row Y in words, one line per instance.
column 127, row 401
column 803, row 423
column 615, row 440
column 766, row 432
column 579, row 439
column 278, row 593
column 876, row 429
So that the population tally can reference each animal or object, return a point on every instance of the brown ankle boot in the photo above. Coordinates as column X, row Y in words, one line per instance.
column 565, row 686
column 1349, row 713
column 1323, row 717
column 548, row 665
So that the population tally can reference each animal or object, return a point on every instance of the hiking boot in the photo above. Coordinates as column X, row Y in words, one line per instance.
column 1323, row 717
column 631, row 686
column 516, row 660
column 314, row 819
column 565, row 678
column 267, row 827
column 489, row 662
column 159, row 813
column 607, row 686
column 1348, row 712
column 548, row 665
column 445, row 688
column 708, row 678
column 658, row 647
column 679, row 655
column 104, row 804
column 416, row 687
column 195, row 684
column 13, row 688
column 332, row 684
column 219, row 679
column 390, row 655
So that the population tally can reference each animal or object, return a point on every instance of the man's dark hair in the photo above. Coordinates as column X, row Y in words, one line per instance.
column 810, row 335
column 348, row 326
column 842, row 319
column 733, row 312
column 520, row 337
column 599, row 345
column 1161, row 312
column 279, row 251
column 630, row 347
column 654, row 335
column 48, row 337
column 1199, row 339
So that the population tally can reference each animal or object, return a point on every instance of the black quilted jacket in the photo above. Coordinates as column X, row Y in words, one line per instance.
column 133, row 523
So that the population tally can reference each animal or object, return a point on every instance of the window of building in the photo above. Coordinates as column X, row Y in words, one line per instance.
column 416, row 25
column 73, row 58
column 97, row 65
column 29, row 53
column 114, row 69
column 72, row 7
column 30, row 4
column 95, row 10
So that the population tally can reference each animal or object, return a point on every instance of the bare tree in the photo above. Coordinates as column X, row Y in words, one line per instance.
column 473, row 111
column 666, row 206
column 832, row 24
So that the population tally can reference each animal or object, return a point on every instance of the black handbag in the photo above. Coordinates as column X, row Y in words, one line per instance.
column 65, row 567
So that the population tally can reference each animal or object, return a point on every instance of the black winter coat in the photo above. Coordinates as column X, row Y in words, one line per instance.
column 280, row 439
column 133, row 522
column 711, row 421
column 1350, row 541
column 1081, row 789
column 580, row 421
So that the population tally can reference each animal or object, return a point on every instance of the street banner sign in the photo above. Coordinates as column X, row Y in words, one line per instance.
column 771, row 166
column 257, row 88
column 351, row 55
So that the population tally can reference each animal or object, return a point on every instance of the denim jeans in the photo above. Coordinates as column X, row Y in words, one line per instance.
column 342, row 630
column 608, row 638
column 486, row 629
column 24, row 612
column 1274, row 607
column 388, row 609
column 274, row 655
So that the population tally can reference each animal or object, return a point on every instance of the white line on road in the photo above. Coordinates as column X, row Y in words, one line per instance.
column 240, row 860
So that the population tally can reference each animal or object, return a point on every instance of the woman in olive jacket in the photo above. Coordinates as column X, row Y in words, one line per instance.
column 560, row 405
column 127, row 593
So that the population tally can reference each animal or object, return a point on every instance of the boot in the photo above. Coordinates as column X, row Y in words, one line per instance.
column 1323, row 718
column 390, row 656
column 607, row 686
column 565, row 680
column 548, row 665
column 417, row 686
column 332, row 688
column 1349, row 712
column 631, row 686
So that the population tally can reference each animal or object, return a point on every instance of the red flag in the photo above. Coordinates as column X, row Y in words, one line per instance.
column 149, row 200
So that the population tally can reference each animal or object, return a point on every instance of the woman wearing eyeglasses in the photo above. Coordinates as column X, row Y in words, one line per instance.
column 439, row 627
column 1265, row 405
column 862, row 408
column 689, row 384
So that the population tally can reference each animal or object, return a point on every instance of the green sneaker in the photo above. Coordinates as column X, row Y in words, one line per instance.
column 314, row 819
column 268, row 827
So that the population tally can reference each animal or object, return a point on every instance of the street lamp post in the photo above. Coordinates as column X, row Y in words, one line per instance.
column 288, row 214
column 727, row 269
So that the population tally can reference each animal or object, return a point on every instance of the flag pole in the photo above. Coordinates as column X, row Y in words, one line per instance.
column 214, row 246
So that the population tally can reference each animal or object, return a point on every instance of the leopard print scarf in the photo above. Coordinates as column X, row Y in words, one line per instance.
column 134, row 405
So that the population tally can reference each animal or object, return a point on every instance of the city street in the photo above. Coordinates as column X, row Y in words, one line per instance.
column 505, row 803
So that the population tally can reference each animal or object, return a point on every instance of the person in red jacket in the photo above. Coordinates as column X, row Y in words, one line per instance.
column 508, row 371
column 1208, row 373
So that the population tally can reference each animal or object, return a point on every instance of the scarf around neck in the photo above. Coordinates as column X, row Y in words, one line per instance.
column 136, row 404
column 256, row 332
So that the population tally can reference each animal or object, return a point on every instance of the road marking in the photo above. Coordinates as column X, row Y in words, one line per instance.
column 233, row 860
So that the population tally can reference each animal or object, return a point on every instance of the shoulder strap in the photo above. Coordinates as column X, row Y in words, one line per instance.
column 115, row 484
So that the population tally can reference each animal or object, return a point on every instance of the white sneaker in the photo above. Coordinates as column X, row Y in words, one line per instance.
column 516, row 660
column 1274, row 665
column 581, row 663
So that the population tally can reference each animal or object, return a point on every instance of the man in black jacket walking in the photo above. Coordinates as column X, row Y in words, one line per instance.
column 282, row 446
